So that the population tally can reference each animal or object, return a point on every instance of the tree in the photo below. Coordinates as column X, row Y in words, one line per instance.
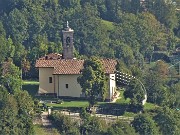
column 3, row 46
column 25, row 107
column 25, row 67
column 8, row 113
column 121, row 128
column 3, row 49
column 175, row 95
column 11, row 77
column 136, row 93
column 144, row 125
column 12, row 120
column 91, row 125
column 24, row 102
column 165, row 11
column 11, row 48
column 161, row 68
column 93, row 80
column 135, row 6
column 64, row 124
column 167, row 121
column 17, row 25
column 155, row 82
column 156, row 91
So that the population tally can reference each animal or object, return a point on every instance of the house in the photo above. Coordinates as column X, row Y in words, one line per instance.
column 58, row 73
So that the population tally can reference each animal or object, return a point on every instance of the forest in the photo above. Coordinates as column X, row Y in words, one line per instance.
column 141, row 35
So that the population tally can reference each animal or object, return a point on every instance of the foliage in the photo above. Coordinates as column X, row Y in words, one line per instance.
column 144, row 125
column 24, row 102
column 64, row 124
column 92, row 124
column 11, row 78
column 93, row 80
column 156, row 87
column 40, row 130
column 127, row 30
column 60, row 101
column 13, row 120
column 120, row 128
column 174, row 96
column 168, row 121
column 31, row 29
column 135, row 92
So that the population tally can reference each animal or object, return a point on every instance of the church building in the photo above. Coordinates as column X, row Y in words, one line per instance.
column 58, row 73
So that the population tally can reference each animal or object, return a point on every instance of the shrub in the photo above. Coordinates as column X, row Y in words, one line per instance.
column 60, row 101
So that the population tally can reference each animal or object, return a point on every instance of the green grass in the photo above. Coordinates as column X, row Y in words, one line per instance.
column 109, row 25
column 149, row 106
column 31, row 87
column 69, row 105
column 129, row 114
column 122, row 100
column 30, row 82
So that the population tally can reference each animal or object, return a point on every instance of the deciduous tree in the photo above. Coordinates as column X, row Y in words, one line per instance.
column 144, row 125
column 93, row 80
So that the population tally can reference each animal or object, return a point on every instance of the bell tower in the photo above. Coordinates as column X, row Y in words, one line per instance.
column 68, row 42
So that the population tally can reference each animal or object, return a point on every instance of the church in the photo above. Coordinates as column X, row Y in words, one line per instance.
column 58, row 73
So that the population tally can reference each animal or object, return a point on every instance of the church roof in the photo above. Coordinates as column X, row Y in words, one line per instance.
column 73, row 66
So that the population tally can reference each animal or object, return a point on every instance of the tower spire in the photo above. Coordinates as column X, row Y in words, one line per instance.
column 68, row 42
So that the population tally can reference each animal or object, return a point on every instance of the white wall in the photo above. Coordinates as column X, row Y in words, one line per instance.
column 59, row 84
column 112, row 85
column 44, row 85
column 73, row 90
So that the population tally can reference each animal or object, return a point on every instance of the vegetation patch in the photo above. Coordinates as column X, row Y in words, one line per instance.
column 41, row 130
column 31, row 87
column 109, row 25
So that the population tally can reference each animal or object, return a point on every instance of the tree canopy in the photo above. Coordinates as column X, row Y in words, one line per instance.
column 93, row 80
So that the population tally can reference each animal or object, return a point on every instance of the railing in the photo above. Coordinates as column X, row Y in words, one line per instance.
column 123, row 77
column 107, row 118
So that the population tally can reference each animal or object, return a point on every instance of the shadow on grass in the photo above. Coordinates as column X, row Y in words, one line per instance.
column 32, row 89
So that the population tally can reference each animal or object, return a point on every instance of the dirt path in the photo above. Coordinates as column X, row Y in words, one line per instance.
column 47, row 124
column 45, row 120
column 116, row 97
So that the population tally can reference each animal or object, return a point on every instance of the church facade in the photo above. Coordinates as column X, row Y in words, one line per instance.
column 58, row 73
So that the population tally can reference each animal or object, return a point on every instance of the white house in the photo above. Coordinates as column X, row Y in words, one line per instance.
column 58, row 73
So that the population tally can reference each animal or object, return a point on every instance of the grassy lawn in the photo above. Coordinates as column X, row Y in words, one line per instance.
column 109, row 25
column 69, row 104
column 32, row 82
column 149, row 106
column 31, row 87
column 122, row 100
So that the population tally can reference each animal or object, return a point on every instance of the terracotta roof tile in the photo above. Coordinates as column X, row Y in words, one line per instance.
column 73, row 66
column 69, row 67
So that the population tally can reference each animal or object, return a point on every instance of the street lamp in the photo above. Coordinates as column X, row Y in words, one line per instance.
column 125, row 78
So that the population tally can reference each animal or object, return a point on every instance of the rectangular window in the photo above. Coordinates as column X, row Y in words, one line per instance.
column 50, row 79
column 67, row 86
